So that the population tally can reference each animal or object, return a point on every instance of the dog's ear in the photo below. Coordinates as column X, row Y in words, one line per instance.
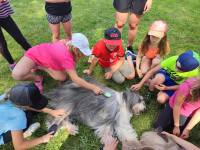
column 124, row 96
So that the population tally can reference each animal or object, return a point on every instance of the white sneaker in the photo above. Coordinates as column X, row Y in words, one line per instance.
column 31, row 129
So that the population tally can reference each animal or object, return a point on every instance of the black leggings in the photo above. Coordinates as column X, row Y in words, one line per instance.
column 29, row 116
column 10, row 26
column 166, row 120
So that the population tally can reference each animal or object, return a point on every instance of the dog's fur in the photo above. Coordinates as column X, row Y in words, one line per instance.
column 107, row 116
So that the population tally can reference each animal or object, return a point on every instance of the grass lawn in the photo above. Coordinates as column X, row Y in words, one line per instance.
column 91, row 18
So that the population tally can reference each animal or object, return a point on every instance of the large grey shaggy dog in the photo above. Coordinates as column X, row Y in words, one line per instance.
column 107, row 116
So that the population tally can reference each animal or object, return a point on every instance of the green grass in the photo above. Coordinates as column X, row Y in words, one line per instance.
column 91, row 18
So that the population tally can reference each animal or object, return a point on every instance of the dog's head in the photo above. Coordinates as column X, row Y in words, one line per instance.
column 134, row 102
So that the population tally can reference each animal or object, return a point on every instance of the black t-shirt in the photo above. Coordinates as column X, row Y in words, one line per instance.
column 58, row 9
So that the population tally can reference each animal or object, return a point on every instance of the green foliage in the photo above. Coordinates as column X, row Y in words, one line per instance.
column 92, row 18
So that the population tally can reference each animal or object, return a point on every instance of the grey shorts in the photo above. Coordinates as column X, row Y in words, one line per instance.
column 125, row 70
column 53, row 19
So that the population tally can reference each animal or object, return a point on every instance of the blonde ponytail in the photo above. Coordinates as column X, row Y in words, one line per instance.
column 7, row 95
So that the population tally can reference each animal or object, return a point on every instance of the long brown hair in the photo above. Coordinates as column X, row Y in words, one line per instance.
column 162, row 45
column 7, row 95
column 194, row 95
column 76, row 56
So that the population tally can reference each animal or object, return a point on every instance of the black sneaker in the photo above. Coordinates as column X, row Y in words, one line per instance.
column 130, row 48
column 147, row 96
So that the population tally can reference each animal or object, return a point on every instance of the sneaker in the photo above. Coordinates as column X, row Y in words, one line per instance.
column 39, row 84
column 147, row 82
column 134, row 63
column 129, row 48
column 31, row 129
column 147, row 96
column 35, row 69
column 12, row 66
column 132, row 55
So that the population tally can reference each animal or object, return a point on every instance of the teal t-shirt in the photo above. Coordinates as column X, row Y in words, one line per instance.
column 178, row 77
column 12, row 118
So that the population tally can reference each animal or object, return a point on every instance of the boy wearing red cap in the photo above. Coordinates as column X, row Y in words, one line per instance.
column 110, row 55
column 171, row 72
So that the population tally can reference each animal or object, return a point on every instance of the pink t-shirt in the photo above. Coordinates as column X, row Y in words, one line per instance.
column 187, row 109
column 53, row 55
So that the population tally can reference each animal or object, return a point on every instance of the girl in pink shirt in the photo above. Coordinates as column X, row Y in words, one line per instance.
column 181, row 107
column 55, row 59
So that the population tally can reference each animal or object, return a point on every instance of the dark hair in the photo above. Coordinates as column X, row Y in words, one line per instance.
column 162, row 45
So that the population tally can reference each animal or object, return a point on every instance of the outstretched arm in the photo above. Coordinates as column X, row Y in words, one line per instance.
column 136, row 87
column 19, row 142
column 185, row 144
column 75, row 78
column 55, row 113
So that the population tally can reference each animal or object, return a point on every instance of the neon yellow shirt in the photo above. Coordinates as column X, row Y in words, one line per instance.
column 178, row 77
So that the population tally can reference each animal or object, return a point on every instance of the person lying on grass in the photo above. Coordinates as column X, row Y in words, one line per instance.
column 170, row 73
column 110, row 55
column 18, row 106
column 55, row 59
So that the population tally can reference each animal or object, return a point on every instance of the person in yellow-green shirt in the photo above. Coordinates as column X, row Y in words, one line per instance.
column 171, row 72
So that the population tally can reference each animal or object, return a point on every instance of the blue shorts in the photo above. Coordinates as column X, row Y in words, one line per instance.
column 167, row 82
column 54, row 19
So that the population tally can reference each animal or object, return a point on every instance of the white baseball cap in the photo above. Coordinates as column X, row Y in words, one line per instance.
column 80, row 41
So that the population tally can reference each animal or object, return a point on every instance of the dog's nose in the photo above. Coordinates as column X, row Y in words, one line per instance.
column 144, row 109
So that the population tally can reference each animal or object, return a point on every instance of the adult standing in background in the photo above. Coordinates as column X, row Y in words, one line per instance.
column 10, row 26
column 59, row 11
column 136, row 9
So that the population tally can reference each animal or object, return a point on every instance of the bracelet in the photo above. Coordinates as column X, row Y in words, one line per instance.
column 100, row 148
column 177, row 125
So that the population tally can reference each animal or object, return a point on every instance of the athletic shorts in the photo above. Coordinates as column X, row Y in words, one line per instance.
column 54, row 19
column 167, row 82
column 125, row 70
column 135, row 6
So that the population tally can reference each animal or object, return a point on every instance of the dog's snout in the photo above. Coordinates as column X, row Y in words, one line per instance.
column 144, row 109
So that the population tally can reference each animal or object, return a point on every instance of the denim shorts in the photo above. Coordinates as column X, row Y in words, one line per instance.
column 54, row 19
column 168, row 82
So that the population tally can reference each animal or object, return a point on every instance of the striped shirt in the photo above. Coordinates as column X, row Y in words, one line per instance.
column 5, row 10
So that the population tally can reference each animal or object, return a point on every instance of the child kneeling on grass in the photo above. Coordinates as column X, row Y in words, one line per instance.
column 181, row 107
column 18, row 106
column 110, row 55
column 55, row 59
column 153, row 48
column 172, row 72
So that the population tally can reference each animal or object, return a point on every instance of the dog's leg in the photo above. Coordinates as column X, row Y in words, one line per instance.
column 71, row 128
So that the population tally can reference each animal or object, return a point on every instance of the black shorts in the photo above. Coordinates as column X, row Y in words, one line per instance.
column 135, row 6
